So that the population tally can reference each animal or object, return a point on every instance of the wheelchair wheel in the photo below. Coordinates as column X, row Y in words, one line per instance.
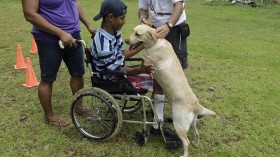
column 103, row 117
column 141, row 138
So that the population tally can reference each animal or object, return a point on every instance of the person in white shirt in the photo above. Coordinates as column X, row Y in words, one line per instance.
column 168, row 18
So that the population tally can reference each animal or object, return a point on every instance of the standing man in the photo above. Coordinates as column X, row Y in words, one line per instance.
column 168, row 17
column 55, row 20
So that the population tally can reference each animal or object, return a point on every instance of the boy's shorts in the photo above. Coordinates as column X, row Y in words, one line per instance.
column 51, row 55
column 142, row 81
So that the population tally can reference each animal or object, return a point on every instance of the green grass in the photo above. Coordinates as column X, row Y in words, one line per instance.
column 232, row 49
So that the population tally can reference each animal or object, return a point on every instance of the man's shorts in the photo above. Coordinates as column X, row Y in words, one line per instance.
column 142, row 81
column 51, row 55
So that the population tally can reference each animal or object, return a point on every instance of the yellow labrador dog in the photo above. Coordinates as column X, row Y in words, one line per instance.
column 170, row 75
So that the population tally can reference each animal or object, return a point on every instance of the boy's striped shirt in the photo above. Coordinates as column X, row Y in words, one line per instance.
column 107, row 52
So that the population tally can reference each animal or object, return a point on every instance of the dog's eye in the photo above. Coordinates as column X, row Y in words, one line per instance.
column 137, row 34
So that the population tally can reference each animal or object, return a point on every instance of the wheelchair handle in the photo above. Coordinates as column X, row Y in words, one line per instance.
column 77, row 41
column 82, row 42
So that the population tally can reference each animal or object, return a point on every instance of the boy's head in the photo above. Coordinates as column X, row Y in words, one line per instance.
column 114, row 7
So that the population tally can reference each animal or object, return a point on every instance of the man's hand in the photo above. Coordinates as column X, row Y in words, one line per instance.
column 91, row 30
column 67, row 39
column 162, row 31
column 143, row 20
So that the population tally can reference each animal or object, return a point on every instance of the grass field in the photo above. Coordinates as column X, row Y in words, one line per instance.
column 234, row 67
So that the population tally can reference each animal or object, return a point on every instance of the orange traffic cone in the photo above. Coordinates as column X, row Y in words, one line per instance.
column 20, row 64
column 30, row 78
column 34, row 48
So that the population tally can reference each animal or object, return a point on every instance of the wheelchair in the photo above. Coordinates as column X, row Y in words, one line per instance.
column 107, row 101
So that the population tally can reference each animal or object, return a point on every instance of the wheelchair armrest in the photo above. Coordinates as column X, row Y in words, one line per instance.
column 133, row 59
column 113, row 72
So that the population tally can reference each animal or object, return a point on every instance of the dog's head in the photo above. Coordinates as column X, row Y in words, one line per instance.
column 142, row 34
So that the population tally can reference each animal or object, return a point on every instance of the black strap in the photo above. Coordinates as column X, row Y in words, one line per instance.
column 158, row 13
column 161, row 14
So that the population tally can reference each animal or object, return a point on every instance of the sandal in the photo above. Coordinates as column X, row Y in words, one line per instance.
column 57, row 122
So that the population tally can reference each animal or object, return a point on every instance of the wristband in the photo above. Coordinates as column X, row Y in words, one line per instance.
column 169, row 24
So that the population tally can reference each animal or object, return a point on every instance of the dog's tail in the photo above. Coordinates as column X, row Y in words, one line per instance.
column 203, row 111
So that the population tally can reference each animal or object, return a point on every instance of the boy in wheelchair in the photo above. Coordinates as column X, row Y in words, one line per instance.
column 108, row 53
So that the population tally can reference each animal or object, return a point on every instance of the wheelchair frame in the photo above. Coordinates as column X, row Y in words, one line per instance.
column 106, row 112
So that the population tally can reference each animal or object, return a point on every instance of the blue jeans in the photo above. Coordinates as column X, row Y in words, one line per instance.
column 51, row 56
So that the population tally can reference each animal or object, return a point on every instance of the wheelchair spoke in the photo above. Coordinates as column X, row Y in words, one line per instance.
column 105, row 124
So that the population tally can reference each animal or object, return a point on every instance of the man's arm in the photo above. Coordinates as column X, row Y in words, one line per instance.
column 143, row 15
column 163, row 30
column 84, row 20
column 30, row 11
column 177, row 12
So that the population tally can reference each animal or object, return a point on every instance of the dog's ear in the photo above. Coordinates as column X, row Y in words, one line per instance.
column 153, row 35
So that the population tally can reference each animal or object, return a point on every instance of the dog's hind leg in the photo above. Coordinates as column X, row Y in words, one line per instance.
column 182, row 123
column 186, row 144
column 195, row 132
column 182, row 133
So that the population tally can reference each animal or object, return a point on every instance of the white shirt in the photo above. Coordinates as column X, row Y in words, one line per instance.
column 161, row 6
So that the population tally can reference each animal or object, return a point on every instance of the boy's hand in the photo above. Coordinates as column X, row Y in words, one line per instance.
column 147, row 68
